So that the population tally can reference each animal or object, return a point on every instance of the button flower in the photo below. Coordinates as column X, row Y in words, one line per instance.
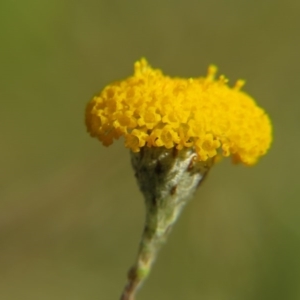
column 152, row 109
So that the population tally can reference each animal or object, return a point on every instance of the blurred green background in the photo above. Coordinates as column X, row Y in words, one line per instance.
column 71, row 213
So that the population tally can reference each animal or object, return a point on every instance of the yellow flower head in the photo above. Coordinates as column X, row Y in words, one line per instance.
column 153, row 110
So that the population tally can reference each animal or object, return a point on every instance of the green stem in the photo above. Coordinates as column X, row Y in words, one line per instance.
column 168, row 179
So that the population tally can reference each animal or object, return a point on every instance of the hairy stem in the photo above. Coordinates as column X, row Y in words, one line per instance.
column 168, row 179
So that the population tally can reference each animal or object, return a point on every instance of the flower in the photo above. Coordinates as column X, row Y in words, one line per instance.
column 151, row 109
column 176, row 128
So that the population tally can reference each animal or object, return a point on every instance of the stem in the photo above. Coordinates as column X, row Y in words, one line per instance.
column 168, row 179
column 153, row 237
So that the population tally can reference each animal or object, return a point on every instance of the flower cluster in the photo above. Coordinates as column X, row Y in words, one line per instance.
column 153, row 110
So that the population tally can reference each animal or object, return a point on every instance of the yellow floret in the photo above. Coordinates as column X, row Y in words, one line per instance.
column 153, row 110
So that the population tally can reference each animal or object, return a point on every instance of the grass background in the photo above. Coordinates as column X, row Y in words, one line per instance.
column 70, row 211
